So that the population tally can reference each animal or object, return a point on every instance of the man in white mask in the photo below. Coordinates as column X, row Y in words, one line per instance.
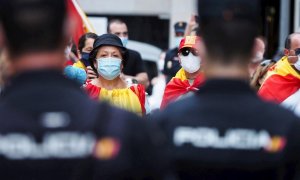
column 190, row 76
column 282, row 83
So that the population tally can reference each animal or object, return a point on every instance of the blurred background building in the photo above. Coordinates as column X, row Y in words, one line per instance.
column 150, row 24
column 148, row 21
column 151, row 21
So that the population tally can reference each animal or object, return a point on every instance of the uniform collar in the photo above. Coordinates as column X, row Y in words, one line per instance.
column 46, row 75
column 229, row 86
column 38, row 77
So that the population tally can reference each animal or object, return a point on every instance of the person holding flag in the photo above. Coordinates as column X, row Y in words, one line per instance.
column 189, row 77
column 282, row 82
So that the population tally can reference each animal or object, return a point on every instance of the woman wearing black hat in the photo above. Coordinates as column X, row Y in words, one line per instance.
column 107, row 59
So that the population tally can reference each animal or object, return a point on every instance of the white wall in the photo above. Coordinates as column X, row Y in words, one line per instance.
column 143, row 7
column 181, row 10
column 174, row 10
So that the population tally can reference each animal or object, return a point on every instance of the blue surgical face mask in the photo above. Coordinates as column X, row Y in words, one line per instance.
column 124, row 41
column 109, row 68
column 85, row 58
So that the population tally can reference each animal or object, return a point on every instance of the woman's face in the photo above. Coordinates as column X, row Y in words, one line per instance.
column 88, row 46
column 108, row 51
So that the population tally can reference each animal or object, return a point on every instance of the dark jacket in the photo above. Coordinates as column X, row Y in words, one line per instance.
column 50, row 129
column 226, row 132
column 134, row 63
column 171, row 65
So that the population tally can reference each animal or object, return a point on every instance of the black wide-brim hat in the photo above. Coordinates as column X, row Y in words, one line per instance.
column 108, row 40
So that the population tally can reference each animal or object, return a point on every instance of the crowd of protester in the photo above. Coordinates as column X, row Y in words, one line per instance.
column 79, row 110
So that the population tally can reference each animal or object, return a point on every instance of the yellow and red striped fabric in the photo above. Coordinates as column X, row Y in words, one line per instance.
column 178, row 86
column 281, row 82
column 131, row 99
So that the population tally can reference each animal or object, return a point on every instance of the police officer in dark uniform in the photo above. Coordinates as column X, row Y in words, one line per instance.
column 225, row 131
column 49, row 128
column 172, row 65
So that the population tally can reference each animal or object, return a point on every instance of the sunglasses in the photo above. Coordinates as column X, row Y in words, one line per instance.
column 186, row 51
column 297, row 51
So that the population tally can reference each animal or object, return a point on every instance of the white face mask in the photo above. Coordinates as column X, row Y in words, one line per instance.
column 190, row 63
column 297, row 64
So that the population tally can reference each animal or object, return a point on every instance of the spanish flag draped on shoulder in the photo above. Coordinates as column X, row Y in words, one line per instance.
column 78, row 15
column 282, row 85
column 178, row 86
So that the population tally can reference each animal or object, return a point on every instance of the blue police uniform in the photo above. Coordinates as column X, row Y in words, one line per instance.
column 50, row 129
column 226, row 132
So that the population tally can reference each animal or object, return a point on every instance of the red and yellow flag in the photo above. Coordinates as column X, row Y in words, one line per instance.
column 131, row 99
column 178, row 86
column 82, row 23
column 281, row 82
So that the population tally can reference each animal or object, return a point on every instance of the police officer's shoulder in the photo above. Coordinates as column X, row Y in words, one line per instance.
column 115, row 113
column 181, row 107
column 278, row 113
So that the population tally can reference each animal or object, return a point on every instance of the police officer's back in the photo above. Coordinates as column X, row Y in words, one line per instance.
column 226, row 131
column 49, row 128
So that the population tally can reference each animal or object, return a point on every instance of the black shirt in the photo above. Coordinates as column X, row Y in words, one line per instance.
column 134, row 64
column 172, row 65
column 50, row 129
column 226, row 132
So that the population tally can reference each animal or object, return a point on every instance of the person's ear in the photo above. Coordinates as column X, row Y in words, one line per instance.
column 286, row 52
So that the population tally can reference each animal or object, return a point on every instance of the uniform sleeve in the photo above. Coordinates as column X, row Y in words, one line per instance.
column 293, row 139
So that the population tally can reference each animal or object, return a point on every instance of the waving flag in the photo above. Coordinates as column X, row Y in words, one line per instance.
column 282, row 86
column 178, row 86
column 82, row 23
